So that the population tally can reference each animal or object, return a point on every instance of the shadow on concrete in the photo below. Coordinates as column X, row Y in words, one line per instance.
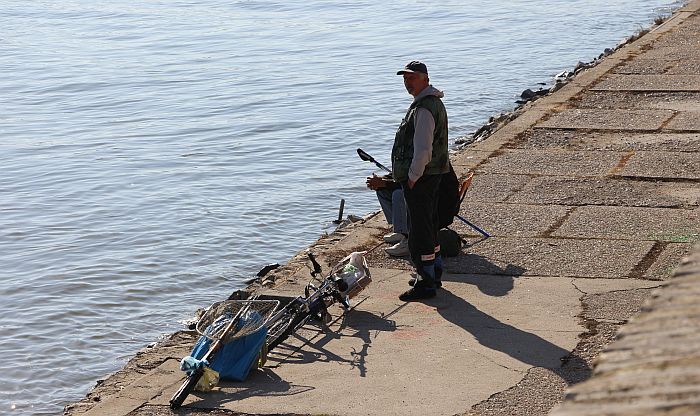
column 264, row 382
column 489, row 278
column 524, row 346
column 357, row 324
column 261, row 382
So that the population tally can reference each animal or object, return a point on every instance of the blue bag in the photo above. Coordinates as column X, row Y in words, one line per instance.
column 234, row 360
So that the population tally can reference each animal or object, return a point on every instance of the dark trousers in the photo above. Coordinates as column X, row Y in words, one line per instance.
column 422, row 204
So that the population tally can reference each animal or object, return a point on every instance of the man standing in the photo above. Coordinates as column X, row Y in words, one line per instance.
column 419, row 158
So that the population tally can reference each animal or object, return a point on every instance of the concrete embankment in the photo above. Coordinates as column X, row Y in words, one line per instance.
column 591, row 195
column 653, row 368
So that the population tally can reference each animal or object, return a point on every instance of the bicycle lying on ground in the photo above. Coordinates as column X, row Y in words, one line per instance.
column 348, row 278
column 238, row 334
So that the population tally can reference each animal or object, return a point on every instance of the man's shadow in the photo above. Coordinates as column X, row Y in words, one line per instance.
column 479, row 271
column 524, row 346
column 498, row 280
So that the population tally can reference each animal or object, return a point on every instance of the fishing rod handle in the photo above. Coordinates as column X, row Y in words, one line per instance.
column 317, row 267
column 186, row 388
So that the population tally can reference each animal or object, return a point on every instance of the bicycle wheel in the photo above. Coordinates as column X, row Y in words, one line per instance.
column 282, row 328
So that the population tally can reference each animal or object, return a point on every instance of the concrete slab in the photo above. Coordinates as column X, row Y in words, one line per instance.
column 667, row 165
column 151, row 384
column 115, row 407
column 457, row 349
column 591, row 76
column 140, row 391
column 550, row 257
column 652, row 368
column 358, row 237
column 554, row 163
column 650, row 82
column 506, row 133
column 494, row 188
column 513, row 220
column 468, row 160
column 606, row 119
column 685, row 121
column 614, row 192
column 634, row 223
column 616, row 306
column 673, row 53
column 677, row 101
column 643, row 66
column 684, row 68
column 658, row 142
column 545, row 139
column 688, row 103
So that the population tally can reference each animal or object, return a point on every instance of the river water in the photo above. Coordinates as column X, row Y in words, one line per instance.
column 155, row 154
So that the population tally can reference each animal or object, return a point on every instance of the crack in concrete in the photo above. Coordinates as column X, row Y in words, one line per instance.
column 621, row 164
column 657, row 179
column 519, row 189
column 499, row 364
column 554, row 227
column 649, row 259
column 573, row 283
column 668, row 121
column 583, row 292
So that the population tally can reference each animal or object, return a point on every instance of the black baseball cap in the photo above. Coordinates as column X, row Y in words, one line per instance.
column 414, row 66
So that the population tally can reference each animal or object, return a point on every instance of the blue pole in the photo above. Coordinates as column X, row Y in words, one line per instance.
column 482, row 232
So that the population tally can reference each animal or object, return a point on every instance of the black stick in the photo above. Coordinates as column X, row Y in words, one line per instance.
column 367, row 158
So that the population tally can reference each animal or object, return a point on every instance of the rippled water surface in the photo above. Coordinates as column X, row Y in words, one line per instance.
column 155, row 154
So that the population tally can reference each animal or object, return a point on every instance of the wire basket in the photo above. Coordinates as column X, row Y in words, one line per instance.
column 250, row 316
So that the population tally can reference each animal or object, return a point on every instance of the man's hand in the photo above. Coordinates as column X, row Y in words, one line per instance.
column 411, row 184
column 375, row 182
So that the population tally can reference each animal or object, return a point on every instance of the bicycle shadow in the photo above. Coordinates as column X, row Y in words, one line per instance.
column 356, row 324
column 308, row 345
column 494, row 334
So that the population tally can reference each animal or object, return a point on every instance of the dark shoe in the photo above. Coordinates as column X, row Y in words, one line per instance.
column 412, row 282
column 417, row 293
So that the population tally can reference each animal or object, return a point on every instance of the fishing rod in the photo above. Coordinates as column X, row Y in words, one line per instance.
column 189, row 384
column 367, row 158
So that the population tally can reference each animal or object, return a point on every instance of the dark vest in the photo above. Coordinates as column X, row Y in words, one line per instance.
column 402, row 152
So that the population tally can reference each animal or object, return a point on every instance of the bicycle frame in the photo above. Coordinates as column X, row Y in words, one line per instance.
column 300, row 309
column 316, row 301
column 291, row 317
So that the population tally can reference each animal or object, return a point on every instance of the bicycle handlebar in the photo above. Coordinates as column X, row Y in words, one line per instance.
column 340, row 285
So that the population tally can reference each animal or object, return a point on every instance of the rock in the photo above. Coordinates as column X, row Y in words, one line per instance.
column 528, row 94
column 465, row 140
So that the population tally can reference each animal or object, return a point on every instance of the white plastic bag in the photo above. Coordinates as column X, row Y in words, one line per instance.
column 354, row 271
